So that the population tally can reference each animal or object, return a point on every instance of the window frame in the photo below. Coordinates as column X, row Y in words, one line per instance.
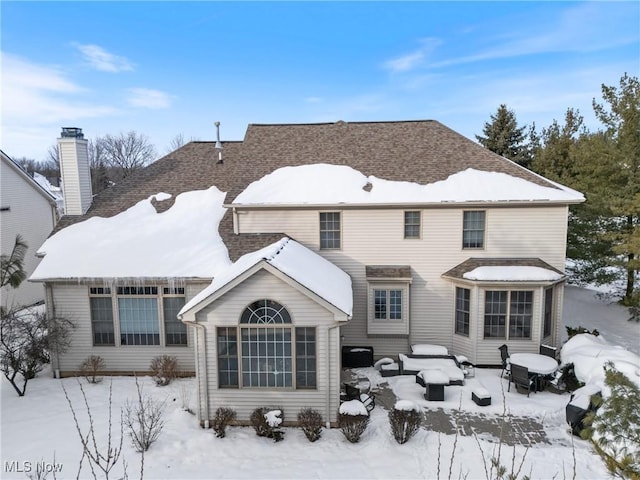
column 324, row 243
column 295, row 354
column 101, row 293
column 174, row 292
column 157, row 292
column 462, row 316
column 408, row 224
column 548, row 311
column 388, row 325
column 509, row 317
column 468, row 244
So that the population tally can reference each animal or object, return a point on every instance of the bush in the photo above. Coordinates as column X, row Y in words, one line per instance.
column 571, row 331
column 223, row 417
column 310, row 421
column 352, row 426
column 405, row 421
column 164, row 369
column 266, row 421
column 91, row 368
column 569, row 379
column 144, row 419
column 614, row 428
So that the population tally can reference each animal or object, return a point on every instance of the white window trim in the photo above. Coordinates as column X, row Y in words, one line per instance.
column 116, row 314
column 534, row 299
column 388, row 326
column 320, row 247
column 404, row 225
column 484, row 237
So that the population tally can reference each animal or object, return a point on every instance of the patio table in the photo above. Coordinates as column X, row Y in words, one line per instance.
column 538, row 365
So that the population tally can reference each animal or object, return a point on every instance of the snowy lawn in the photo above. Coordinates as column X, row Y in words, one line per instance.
column 39, row 425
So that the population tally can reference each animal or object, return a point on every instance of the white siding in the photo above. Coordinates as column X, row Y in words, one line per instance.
column 72, row 301
column 375, row 237
column 76, row 175
column 29, row 214
column 226, row 311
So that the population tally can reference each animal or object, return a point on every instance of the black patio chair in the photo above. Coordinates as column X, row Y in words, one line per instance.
column 520, row 377
column 354, row 393
column 549, row 351
column 504, row 355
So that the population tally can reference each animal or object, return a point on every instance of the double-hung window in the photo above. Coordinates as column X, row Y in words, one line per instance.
column 412, row 224
column 473, row 226
column 266, row 350
column 463, row 296
column 101, row 305
column 508, row 311
column 329, row 230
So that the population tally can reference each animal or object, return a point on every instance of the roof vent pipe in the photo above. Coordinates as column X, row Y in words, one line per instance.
column 218, row 146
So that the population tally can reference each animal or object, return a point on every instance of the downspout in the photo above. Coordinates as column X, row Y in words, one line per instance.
column 329, row 377
column 51, row 313
column 201, row 369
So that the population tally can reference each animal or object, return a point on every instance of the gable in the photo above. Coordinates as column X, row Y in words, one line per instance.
column 34, row 186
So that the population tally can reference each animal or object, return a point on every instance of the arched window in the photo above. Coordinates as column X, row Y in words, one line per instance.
column 271, row 351
column 265, row 312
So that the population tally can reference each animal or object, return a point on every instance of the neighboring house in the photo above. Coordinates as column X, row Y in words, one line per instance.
column 276, row 251
column 28, row 210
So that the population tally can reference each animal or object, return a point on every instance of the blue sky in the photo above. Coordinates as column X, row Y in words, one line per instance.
column 168, row 68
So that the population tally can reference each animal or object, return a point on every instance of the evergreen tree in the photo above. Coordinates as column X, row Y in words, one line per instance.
column 503, row 136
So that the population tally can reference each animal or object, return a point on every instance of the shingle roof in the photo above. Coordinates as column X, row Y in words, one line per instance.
column 472, row 263
column 417, row 151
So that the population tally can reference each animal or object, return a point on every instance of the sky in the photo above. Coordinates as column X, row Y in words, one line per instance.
column 168, row 68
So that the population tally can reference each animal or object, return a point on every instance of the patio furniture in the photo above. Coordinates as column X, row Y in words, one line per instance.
column 540, row 366
column 414, row 364
column 428, row 349
column 354, row 357
column 579, row 406
column 549, row 351
column 434, row 383
column 354, row 393
column 520, row 377
column 481, row 396
column 504, row 355
column 389, row 369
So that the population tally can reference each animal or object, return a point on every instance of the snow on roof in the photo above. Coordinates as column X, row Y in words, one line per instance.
column 324, row 184
column 512, row 273
column 589, row 354
column 298, row 262
column 181, row 242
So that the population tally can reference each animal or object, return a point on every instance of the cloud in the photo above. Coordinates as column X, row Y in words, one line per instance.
column 102, row 60
column 412, row 60
column 148, row 98
column 40, row 98
column 572, row 30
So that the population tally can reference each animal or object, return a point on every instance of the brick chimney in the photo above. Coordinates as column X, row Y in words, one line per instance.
column 76, row 174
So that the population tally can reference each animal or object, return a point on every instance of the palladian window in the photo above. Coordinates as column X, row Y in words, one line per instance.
column 270, row 353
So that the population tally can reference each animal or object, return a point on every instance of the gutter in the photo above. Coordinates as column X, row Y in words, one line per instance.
column 405, row 205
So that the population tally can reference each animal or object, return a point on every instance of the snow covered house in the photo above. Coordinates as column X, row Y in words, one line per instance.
column 29, row 210
column 254, row 262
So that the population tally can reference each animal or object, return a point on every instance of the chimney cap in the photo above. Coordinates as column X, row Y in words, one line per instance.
column 71, row 132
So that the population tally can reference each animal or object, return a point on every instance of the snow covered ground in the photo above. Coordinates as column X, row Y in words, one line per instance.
column 39, row 425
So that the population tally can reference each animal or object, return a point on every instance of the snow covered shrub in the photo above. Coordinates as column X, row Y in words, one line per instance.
column 310, row 421
column 91, row 368
column 571, row 331
column 164, row 369
column 405, row 420
column 266, row 421
column 353, row 419
column 614, row 428
column 569, row 379
column 144, row 418
column 223, row 417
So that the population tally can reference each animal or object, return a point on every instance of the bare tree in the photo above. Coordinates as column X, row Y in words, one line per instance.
column 178, row 141
column 100, row 175
column 127, row 152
